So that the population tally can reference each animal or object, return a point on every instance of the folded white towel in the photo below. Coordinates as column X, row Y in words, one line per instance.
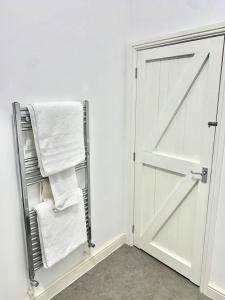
column 58, row 135
column 59, row 141
column 62, row 232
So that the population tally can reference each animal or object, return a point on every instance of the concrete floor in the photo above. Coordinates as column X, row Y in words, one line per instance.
column 130, row 274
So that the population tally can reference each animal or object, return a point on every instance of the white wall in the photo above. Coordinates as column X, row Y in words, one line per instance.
column 56, row 49
column 154, row 18
column 63, row 50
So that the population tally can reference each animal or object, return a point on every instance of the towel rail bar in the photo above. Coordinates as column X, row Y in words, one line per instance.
column 29, row 174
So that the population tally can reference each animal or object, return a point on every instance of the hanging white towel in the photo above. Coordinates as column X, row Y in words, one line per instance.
column 59, row 141
column 29, row 146
column 58, row 135
column 62, row 232
column 64, row 188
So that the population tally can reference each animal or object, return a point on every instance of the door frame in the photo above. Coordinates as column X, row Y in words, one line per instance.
column 206, row 286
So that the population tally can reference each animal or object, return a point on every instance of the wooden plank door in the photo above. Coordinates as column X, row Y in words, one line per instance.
column 177, row 95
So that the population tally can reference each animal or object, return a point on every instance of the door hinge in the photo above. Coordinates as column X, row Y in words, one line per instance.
column 212, row 124
column 136, row 72
column 132, row 228
column 134, row 156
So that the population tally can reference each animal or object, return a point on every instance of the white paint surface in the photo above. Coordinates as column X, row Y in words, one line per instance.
column 55, row 50
column 217, row 269
column 154, row 18
column 173, row 139
column 76, row 50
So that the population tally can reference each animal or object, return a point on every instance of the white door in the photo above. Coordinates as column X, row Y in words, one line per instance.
column 177, row 95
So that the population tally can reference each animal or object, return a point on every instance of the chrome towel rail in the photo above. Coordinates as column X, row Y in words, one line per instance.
column 29, row 173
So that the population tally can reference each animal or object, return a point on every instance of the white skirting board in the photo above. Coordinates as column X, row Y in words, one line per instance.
column 215, row 292
column 79, row 270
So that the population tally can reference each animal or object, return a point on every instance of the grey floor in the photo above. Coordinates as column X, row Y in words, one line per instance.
column 130, row 274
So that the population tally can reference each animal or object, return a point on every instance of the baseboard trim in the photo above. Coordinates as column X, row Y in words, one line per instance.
column 86, row 265
column 215, row 292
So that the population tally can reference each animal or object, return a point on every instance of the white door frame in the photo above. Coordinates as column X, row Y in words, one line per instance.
column 194, row 34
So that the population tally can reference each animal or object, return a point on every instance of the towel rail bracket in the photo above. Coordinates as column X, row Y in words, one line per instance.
column 91, row 245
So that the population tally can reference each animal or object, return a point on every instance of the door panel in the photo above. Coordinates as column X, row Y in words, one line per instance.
column 177, row 94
